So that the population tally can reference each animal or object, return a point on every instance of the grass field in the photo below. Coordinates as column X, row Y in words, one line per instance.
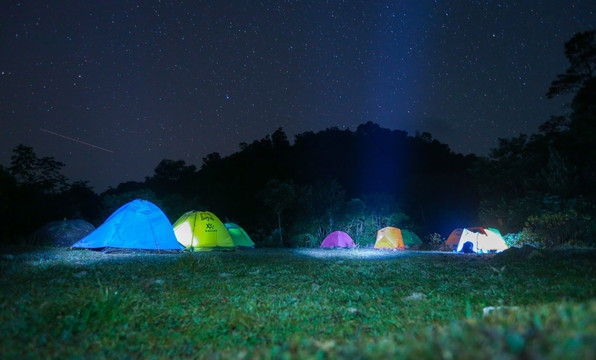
column 299, row 303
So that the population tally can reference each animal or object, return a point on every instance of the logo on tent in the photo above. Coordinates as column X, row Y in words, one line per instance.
column 206, row 216
column 209, row 227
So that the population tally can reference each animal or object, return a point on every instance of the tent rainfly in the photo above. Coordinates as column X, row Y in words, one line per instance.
column 138, row 224
column 478, row 240
column 202, row 231
column 410, row 238
column 390, row 238
column 239, row 236
column 338, row 239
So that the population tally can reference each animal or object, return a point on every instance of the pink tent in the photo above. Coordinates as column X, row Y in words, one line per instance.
column 338, row 239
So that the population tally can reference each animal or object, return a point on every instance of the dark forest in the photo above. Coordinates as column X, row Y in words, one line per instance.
column 292, row 193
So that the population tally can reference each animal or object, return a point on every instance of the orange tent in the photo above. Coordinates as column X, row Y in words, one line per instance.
column 455, row 235
column 390, row 238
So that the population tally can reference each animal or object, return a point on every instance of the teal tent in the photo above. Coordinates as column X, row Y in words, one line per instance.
column 410, row 239
column 139, row 224
column 239, row 236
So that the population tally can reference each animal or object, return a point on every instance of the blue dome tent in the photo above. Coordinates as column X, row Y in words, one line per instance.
column 139, row 224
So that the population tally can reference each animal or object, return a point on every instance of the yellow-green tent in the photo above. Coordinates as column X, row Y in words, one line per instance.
column 202, row 230
column 239, row 236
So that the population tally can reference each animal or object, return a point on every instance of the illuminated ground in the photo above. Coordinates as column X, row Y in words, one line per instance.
column 297, row 303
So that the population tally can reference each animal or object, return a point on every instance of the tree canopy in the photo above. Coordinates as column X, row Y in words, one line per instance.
column 581, row 53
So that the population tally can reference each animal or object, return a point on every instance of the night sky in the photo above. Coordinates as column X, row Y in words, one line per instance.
column 136, row 82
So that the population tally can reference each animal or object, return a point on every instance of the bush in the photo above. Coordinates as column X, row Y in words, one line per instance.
column 524, row 237
column 362, row 228
column 305, row 240
column 269, row 239
column 436, row 242
column 513, row 239
column 360, row 219
column 555, row 229
column 508, row 215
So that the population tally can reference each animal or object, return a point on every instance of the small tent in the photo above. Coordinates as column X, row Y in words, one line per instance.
column 477, row 239
column 138, row 224
column 492, row 242
column 410, row 239
column 455, row 236
column 390, row 238
column 239, row 236
column 338, row 239
column 202, row 230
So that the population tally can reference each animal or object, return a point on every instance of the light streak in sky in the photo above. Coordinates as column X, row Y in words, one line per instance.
column 76, row 140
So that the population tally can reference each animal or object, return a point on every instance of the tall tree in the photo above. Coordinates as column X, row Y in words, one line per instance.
column 279, row 196
column 577, row 140
column 44, row 174
column 171, row 170
column 9, row 218
column 171, row 177
column 581, row 53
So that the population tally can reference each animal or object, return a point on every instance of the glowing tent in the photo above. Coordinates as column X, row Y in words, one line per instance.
column 453, row 239
column 239, row 236
column 389, row 238
column 338, row 239
column 410, row 239
column 481, row 240
column 139, row 224
column 202, row 230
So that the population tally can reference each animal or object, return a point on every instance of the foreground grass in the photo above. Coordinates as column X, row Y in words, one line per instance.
column 297, row 304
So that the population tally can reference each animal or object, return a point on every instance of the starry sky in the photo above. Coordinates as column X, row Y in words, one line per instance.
column 112, row 87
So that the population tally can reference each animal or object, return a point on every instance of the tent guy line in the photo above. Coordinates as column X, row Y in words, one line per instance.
column 76, row 140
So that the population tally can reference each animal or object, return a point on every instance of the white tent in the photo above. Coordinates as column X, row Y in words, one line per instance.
column 488, row 240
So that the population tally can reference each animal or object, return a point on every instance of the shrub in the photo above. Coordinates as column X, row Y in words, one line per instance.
column 436, row 242
column 362, row 228
column 365, row 229
column 524, row 237
column 558, row 228
column 269, row 239
column 435, row 239
column 359, row 219
column 305, row 240
column 513, row 239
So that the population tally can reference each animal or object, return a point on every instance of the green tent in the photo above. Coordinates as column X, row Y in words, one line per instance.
column 410, row 238
column 203, row 231
column 239, row 236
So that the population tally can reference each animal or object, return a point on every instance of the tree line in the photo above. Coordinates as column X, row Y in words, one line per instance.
column 292, row 194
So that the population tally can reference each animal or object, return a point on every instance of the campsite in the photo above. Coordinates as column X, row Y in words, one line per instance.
column 334, row 243
column 140, row 286
column 298, row 303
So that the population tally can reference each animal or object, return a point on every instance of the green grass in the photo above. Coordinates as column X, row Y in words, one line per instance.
column 57, row 303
